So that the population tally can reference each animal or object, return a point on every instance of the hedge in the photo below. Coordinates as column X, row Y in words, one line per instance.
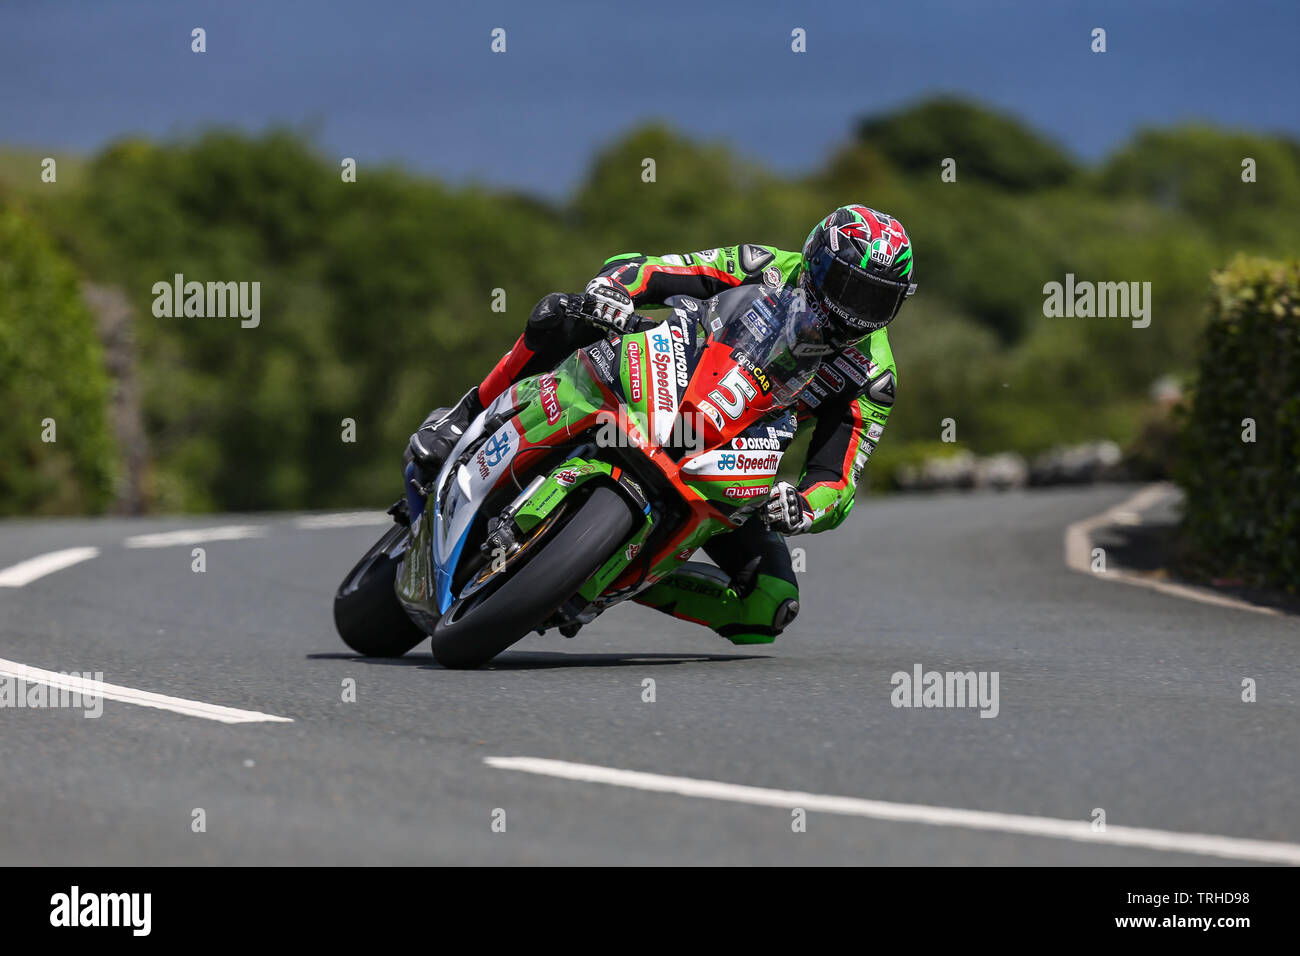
column 1242, row 518
column 56, row 448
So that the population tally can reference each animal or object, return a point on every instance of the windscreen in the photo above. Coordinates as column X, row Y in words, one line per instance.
column 782, row 337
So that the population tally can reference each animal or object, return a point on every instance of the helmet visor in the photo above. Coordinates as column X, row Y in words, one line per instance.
column 858, row 299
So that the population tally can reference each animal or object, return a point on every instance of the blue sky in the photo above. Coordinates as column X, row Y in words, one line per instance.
column 416, row 81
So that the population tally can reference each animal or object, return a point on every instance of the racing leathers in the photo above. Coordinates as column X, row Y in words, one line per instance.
column 752, row 594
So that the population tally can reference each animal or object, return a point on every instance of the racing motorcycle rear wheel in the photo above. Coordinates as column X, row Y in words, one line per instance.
column 367, row 614
column 481, row 625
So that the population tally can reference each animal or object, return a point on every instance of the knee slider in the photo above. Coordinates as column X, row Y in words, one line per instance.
column 785, row 614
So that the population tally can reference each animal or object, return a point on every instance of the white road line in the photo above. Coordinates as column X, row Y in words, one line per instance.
column 1079, row 830
column 345, row 519
column 25, row 572
column 1078, row 553
column 142, row 698
column 166, row 539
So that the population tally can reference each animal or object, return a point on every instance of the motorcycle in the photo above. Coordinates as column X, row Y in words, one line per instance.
column 577, row 489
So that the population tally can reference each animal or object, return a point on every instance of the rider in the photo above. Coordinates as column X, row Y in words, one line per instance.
column 855, row 271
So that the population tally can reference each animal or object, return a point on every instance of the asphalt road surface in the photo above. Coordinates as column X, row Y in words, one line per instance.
column 1109, row 697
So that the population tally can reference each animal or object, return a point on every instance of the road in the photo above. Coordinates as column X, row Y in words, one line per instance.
column 1110, row 697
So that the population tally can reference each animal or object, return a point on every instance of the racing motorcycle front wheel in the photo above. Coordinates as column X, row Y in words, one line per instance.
column 546, row 571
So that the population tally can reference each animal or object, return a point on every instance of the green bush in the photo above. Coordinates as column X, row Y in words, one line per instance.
column 1243, row 497
column 51, row 368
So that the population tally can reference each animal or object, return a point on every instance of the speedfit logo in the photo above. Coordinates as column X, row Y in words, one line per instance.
column 75, row 908
column 1125, row 300
column 948, row 689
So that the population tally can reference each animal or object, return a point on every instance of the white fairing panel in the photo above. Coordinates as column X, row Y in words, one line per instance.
column 471, row 481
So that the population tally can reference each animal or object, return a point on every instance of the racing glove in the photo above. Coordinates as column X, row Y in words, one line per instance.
column 787, row 510
column 605, row 304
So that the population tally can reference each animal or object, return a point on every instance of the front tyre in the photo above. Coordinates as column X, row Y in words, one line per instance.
column 367, row 614
column 476, row 629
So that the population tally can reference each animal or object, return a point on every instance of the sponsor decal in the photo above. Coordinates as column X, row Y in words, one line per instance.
column 849, row 369
column 602, row 356
column 662, row 362
column 699, row 587
column 634, row 371
column 772, row 276
column 483, row 469
column 663, row 384
column 756, row 444
column 886, row 248
column 759, row 376
column 756, row 324
column 566, row 477
column 685, row 554
column 541, row 505
column 673, row 260
column 632, row 551
column 875, row 430
column 745, row 491
column 861, row 361
column 708, row 255
column 712, row 413
column 860, row 460
column 550, row 403
column 748, row 463
column 811, row 348
column 497, row 447
column 716, row 324
column 690, row 303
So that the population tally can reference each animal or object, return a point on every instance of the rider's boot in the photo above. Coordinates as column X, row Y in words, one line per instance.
column 434, row 440
column 750, row 608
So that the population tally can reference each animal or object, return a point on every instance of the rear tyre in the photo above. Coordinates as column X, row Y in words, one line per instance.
column 476, row 629
column 367, row 613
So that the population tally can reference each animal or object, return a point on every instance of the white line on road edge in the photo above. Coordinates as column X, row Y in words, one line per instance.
column 128, row 695
column 1078, row 830
column 345, row 519
column 1078, row 552
column 166, row 539
column 25, row 572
